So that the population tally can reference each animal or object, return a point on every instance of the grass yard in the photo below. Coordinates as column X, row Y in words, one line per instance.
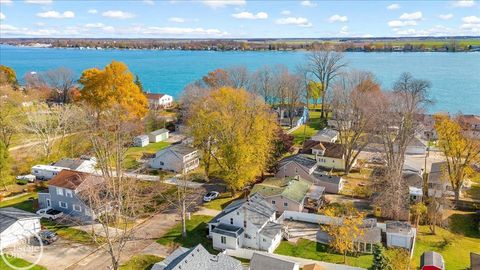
column 316, row 251
column 141, row 262
column 134, row 154
column 474, row 191
column 18, row 263
column 22, row 202
column 222, row 201
column 455, row 244
column 69, row 233
column 313, row 125
column 196, row 234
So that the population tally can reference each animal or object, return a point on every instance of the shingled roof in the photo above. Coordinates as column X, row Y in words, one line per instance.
column 333, row 150
column 10, row 215
column 293, row 188
column 70, row 179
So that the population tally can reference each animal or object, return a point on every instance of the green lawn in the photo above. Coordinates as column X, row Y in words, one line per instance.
column 22, row 202
column 141, row 262
column 313, row 125
column 454, row 245
column 221, row 202
column 17, row 262
column 196, row 233
column 69, row 233
column 134, row 154
column 316, row 251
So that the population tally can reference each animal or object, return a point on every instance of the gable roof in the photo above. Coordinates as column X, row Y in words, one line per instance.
column 325, row 133
column 324, row 177
column 262, row 261
column 154, row 96
column 303, row 160
column 10, row 215
column 182, row 149
column 70, row 179
column 436, row 172
column 159, row 131
column 293, row 188
column 333, row 150
column 71, row 163
column 197, row 258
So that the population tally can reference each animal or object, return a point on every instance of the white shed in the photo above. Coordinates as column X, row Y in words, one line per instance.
column 46, row 172
column 158, row 135
column 141, row 141
column 17, row 225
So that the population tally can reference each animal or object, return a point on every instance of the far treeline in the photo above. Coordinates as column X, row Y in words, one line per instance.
column 427, row 44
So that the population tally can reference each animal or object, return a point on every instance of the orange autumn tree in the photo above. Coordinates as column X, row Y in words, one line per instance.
column 113, row 86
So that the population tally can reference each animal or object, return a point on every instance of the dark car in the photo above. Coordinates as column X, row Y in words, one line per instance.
column 47, row 237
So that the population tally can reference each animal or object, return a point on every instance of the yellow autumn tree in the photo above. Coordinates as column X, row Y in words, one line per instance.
column 460, row 152
column 234, row 129
column 113, row 86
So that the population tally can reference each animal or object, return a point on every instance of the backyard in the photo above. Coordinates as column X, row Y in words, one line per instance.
column 314, row 124
column 134, row 154
column 223, row 200
column 22, row 202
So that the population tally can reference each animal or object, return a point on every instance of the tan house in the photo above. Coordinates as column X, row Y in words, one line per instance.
column 327, row 154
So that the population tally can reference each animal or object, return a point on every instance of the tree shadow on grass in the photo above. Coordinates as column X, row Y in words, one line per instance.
column 465, row 224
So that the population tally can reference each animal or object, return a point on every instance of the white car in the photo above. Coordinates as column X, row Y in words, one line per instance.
column 49, row 213
column 210, row 196
column 28, row 177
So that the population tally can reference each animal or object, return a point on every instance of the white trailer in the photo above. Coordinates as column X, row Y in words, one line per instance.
column 46, row 172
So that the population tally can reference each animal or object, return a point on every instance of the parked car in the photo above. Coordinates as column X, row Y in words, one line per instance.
column 378, row 160
column 210, row 196
column 27, row 177
column 47, row 237
column 49, row 213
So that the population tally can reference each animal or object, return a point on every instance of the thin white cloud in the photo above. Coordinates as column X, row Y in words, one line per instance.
column 286, row 12
column 56, row 15
column 176, row 19
column 2, row 16
column 149, row 2
column 412, row 16
column 223, row 3
column 464, row 3
column 298, row 21
column 344, row 30
column 308, row 3
column 338, row 18
column 92, row 11
column 393, row 6
column 94, row 25
column 39, row 2
column 117, row 14
column 471, row 19
column 398, row 23
column 250, row 16
column 367, row 36
column 445, row 16
column 6, row 2
column 179, row 31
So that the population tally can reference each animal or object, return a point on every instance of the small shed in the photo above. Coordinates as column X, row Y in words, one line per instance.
column 431, row 260
column 158, row 135
column 141, row 141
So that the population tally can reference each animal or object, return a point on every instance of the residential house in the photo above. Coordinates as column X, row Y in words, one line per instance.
column 262, row 261
column 247, row 223
column 63, row 194
column 82, row 164
column 46, row 172
column 400, row 234
column 157, row 101
column 416, row 147
column 159, row 135
column 290, row 193
column 17, row 225
column 307, row 168
column 431, row 260
column 438, row 184
column 471, row 125
column 328, row 155
column 177, row 158
column 197, row 258
column 141, row 141
column 325, row 135
column 299, row 116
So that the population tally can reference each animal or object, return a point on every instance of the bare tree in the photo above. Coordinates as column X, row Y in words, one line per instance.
column 325, row 64
column 263, row 84
column 294, row 92
column 60, row 80
column 239, row 77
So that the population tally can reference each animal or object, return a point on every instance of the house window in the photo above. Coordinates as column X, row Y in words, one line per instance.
column 369, row 247
column 273, row 202
column 77, row 208
column 238, row 213
column 60, row 191
column 223, row 239
column 62, row 204
column 264, row 240
column 231, row 221
column 285, row 204
column 248, row 236
column 161, row 163
column 244, row 223
column 68, row 193
column 49, row 203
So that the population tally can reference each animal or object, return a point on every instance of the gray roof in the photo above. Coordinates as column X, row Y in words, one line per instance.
column 262, row 261
column 302, row 160
column 159, row 131
column 271, row 229
column 324, row 177
column 197, row 258
column 143, row 137
column 398, row 227
column 431, row 258
column 182, row 149
column 370, row 235
column 71, row 163
column 436, row 172
column 10, row 215
column 325, row 134
column 315, row 192
column 228, row 230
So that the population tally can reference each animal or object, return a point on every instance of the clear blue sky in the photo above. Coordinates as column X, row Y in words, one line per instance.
column 236, row 18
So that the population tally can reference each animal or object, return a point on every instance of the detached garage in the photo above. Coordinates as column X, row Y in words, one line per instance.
column 16, row 225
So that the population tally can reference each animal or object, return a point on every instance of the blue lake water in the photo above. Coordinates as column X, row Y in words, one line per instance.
column 455, row 77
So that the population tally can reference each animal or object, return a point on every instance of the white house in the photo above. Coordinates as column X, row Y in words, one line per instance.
column 261, row 261
column 158, row 135
column 156, row 101
column 17, row 225
column 82, row 164
column 46, row 172
column 416, row 147
column 177, row 158
column 141, row 141
column 325, row 135
column 249, row 223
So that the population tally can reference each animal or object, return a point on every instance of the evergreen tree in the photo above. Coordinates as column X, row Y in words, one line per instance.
column 380, row 261
column 138, row 83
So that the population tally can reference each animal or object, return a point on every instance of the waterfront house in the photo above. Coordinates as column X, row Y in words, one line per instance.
column 325, row 135
column 63, row 194
column 197, row 258
column 157, row 101
column 262, row 261
column 246, row 223
column 17, row 225
column 82, row 164
column 158, row 135
column 327, row 154
column 177, row 158
column 141, row 141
